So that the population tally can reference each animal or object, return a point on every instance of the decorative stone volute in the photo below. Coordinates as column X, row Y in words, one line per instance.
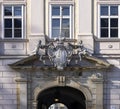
column 96, row 78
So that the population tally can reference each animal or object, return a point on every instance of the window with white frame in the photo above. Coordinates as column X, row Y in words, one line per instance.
column 61, row 21
column 109, row 18
column 13, row 21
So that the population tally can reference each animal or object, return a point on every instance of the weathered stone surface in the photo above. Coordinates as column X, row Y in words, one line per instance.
column 10, row 107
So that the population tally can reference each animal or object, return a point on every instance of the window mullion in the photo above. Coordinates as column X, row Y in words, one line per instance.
column 119, row 21
column 109, row 17
column 60, row 35
column 99, row 21
column 109, row 28
column 22, row 28
column 70, row 22
column 13, row 28
column 50, row 26
column 13, row 22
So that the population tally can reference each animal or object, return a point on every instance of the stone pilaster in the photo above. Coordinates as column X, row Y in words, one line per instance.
column 37, row 28
column 98, row 81
column 21, row 93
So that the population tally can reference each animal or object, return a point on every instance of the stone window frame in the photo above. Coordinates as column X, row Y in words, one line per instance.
column 22, row 17
column 99, row 17
column 71, row 17
column 108, row 17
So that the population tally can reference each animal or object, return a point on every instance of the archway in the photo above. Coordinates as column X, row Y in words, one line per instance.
column 70, row 97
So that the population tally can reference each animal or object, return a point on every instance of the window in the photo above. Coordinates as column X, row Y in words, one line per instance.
column 109, row 19
column 61, row 21
column 13, row 21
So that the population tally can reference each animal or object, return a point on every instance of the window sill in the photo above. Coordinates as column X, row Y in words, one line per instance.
column 14, row 40
column 107, row 39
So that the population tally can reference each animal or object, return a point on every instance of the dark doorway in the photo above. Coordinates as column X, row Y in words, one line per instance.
column 70, row 97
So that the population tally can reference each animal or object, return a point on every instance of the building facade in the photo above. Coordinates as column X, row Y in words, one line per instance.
column 59, row 52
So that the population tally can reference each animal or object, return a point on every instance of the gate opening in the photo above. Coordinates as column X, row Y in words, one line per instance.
column 69, row 97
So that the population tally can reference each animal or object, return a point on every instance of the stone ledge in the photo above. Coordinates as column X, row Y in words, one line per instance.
column 14, row 40
column 19, row 79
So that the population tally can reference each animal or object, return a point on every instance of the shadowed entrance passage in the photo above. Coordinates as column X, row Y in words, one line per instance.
column 70, row 97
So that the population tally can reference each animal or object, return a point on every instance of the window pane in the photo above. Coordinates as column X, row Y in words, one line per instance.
column 114, row 33
column 17, row 23
column 17, row 11
column 56, row 23
column 104, row 33
column 8, row 33
column 55, row 32
column 104, row 10
column 8, row 11
column 65, row 33
column 114, row 10
column 104, row 22
column 13, row 21
column 65, row 10
column 114, row 22
column 65, row 23
column 17, row 33
column 56, row 10
column 8, row 23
